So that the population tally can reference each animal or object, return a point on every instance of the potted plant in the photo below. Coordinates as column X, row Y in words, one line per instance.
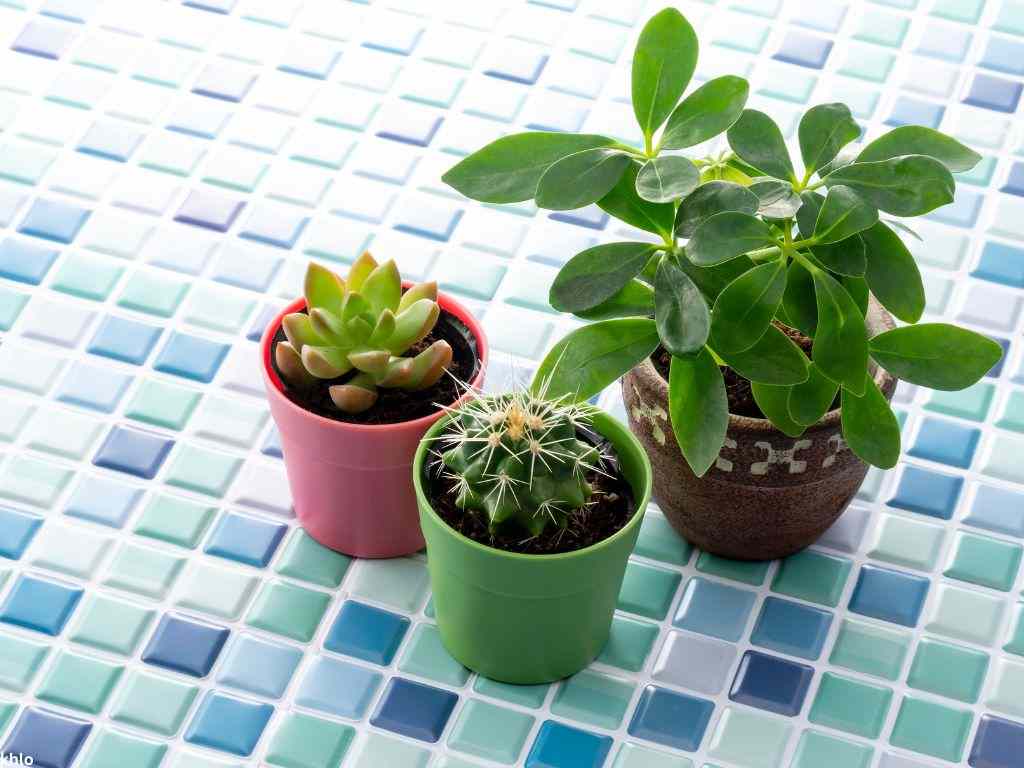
column 356, row 371
column 530, row 508
column 756, row 329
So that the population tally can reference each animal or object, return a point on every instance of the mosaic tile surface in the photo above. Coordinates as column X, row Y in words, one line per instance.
column 167, row 169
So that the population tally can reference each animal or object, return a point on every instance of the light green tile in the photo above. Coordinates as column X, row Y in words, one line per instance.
column 1004, row 459
column 870, row 649
column 112, row 749
column 971, row 403
column 20, row 659
column 86, row 276
column 985, row 561
column 1015, row 644
column 304, row 741
column 229, row 420
column 968, row 11
column 306, row 559
column 202, row 470
column 594, row 698
column 218, row 309
column 748, row 37
column 1012, row 416
column 214, row 590
column 629, row 643
column 110, row 625
column 883, row 28
column 658, row 540
column 948, row 670
column 491, row 732
column 931, row 729
column 814, row 576
column 747, row 571
column 62, row 433
column 11, row 304
column 142, row 570
column 384, row 752
column 400, row 583
column 816, row 750
column 749, row 739
column 636, row 756
column 531, row 696
column 235, row 169
column 14, row 415
column 23, row 163
column 647, row 590
column 425, row 655
column 7, row 711
column 191, row 760
column 1010, row 18
column 795, row 87
column 850, row 705
column 71, row 550
column 907, row 542
column 965, row 615
column 33, row 482
column 174, row 520
column 161, row 404
column 980, row 175
column 867, row 63
column 152, row 292
column 288, row 610
column 1007, row 693
column 152, row 703
column 79, row 682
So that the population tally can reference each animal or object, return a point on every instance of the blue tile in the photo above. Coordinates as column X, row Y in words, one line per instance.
column 17, row 529
column 125, row 340
column 999, row 743
column 926, row 492
column 274, row 226
column 945, row 41
column 804, row 50
column 963, row 212
column 520, row 65
column 670, row 718
column 997, row 369
column 191, row 357
column 338, row 688
column 245, row 539
column 994, row 93
column 998, row 509
column 43, row 606
column 889, row 595
column 908, row 111
column 771, row 683
column 433, row 219
column 51, row 740
column 259, row 323
column 228, row 724
column 310, row 61
column 793, row 628
column 714, row 609
column 946, row 441
column 562, row 746
column 185, row 646
column 272, row 445
column 1015, row 183
column 224, row 81
column 133, row 451
column 44, row 39
column 103, row 501
column 367, row 633
column 93, row 387
column 214, row 6
column 590, row 217
column 210, row 211
column 110, row 140
column 410, row 126
column 1003, row 55
column 258, row 666
column 78, row 11
column 54, row 220
column 246, row 268
column 414, row 709
column 25, row 262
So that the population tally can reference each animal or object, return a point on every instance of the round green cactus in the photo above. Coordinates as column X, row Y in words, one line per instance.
column 517, row 458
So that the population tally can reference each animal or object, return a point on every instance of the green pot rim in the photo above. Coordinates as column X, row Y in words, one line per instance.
column 642, row 499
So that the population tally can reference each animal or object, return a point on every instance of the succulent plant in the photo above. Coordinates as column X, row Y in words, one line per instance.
column 516, row 457
column 363, row 323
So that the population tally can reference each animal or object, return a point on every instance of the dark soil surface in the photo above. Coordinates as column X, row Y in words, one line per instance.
column 613, row 505
column 396, row 405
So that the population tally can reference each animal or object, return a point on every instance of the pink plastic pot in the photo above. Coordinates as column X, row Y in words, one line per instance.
column 352, row 483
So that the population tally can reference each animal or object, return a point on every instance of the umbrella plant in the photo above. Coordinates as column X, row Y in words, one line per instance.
column 750, row 248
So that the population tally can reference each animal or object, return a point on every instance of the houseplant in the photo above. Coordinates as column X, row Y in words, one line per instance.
column 530, row 508
column 764, row 343
column 356, row 371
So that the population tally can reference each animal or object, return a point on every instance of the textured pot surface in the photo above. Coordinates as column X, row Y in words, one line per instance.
column 530, row 618
column 351, row 483
column 767, row 495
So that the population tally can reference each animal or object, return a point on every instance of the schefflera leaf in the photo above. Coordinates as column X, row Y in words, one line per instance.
column 597, row 274
column 663, row 63
column 935, row 355
column 870, row 427
column 698, row 408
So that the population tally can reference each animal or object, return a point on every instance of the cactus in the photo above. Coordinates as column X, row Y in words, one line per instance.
column 517, row 458
column 363, row 323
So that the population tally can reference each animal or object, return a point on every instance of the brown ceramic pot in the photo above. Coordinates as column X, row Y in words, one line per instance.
column 767, row 495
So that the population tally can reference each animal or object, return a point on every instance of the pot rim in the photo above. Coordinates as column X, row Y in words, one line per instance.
column 642, row 499
column 878, row 321
column 446, row 302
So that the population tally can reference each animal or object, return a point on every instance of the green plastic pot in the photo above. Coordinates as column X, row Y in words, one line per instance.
column 529, row 618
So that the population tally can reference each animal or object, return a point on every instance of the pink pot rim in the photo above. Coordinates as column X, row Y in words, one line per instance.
column 447, row 303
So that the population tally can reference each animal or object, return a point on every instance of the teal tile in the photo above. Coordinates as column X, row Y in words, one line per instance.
column 851, row 705
column 384, row 752
column 305, row 559
column 882, row 27
column 870, row 649
column 152, row 703
column 153, row 292
column 647, row 590
column 1006, row 694
column 985, row 561
column 174, row 520
column 868, row 63
column 304, row 741
column 1012, row 416
column 816, row 749
column 110, row 625
column 907, row 542
column 932, row 729
column 964, row 614
column 7, row 711
column 747, row 571
column 202, row 470
column 79, row 682
column 11, row 304
column 814, row 576
column 86, row 276
column 20, row 660
column 531, row 696
column 749, row 738
column 162, row 404
column 948, row 670
column 658, row 540
column 426, row 656
column 401, row 582
column 144, row 571
column 1015, row 644
column 490, row 732
column 288, row 610
column 971, row 403
column 795, row 87
column 637, row 756
column 1010, row 18
column 113, row 749
column 967, row 11
column 593, row 698
column 980, row 175
column 629, row 643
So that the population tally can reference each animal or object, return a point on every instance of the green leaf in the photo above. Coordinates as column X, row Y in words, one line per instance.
column 824, row 130
column 745, row 309
column 667, row 178
column 841, row 338
column 892, row 274
column 698, row 408
column 774, row 403
column 725, row 236
column 844, row 213
column 596, row 274
column 663, row 63
column 679, row 310
column 799, row 301
column 507, row 170
column 870, row 427
column 636, row 299
column 590, row 358
column 777, row 199
column 935, row 355
column 903, row 186
column 812, row 399
column 706, row 112
column 845, row 257
column 774, row 359
column 758, row 141
column 626, row 205
column 918, row 140
column 711, row 198
column 857, row 287
column 712, row 280
column 580, row 179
